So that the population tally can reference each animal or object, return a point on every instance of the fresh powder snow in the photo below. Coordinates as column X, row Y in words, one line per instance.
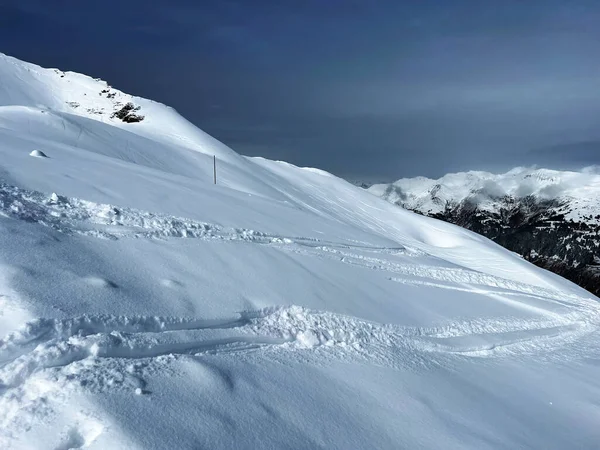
column 144, row 307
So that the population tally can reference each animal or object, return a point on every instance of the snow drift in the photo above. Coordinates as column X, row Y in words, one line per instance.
column 141, row 306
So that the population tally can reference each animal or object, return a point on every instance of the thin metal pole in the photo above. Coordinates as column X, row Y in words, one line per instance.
column 215, row 167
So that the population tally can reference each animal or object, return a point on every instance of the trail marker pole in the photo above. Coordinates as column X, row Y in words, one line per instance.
column 215, row 168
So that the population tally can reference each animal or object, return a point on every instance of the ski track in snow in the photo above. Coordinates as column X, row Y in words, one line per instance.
column 46, row 358
column 75, row 216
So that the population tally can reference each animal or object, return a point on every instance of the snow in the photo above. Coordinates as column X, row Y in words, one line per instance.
column 38, row 154
column 579, row 189
column 141, row 306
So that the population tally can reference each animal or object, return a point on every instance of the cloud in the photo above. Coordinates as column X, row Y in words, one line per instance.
column 492, row 189
column 592, row 170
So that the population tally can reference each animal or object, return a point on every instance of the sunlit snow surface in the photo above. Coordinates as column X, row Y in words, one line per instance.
column 143, row 307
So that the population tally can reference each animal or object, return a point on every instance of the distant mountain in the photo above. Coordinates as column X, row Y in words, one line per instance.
column 551, row 218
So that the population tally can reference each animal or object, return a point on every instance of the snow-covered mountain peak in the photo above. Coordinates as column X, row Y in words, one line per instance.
column 67, row 108
column 26, row 84
column 485, row 190
column 52, row 91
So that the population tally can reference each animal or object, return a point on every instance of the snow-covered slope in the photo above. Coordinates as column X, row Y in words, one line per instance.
column 141, row 306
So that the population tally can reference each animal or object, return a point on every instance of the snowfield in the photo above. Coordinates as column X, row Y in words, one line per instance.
column 143, row 307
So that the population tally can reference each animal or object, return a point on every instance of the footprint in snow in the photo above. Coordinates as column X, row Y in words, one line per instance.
column 82, row 435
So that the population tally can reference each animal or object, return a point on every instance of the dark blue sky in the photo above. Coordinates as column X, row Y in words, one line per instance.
column 369, row 89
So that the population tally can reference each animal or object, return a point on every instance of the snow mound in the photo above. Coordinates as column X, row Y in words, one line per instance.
column 38, row 154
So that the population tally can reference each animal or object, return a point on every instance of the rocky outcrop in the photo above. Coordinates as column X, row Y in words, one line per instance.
column 128, row 113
